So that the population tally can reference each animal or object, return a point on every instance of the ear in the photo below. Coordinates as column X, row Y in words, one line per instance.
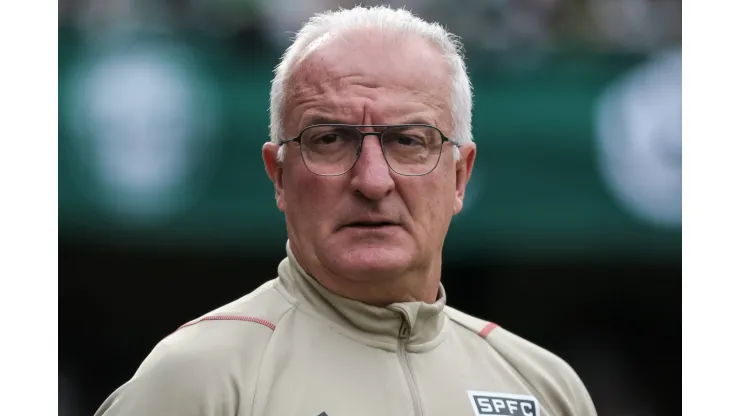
column 274, row 171
column 463, row 170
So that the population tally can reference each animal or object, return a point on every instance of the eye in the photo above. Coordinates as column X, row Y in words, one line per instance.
column 326, row 138
column 408, row 140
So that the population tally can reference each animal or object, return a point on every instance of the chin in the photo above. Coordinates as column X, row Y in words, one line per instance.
column 369, row 261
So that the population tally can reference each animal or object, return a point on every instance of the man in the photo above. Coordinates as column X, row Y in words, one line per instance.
column 370, row 153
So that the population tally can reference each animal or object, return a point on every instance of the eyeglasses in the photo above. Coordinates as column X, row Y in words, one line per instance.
column 333, row 149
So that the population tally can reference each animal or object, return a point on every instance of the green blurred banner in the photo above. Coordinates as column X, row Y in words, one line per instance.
column 159, row 144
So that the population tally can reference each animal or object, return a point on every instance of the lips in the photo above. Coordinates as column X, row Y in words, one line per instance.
column 370, row 224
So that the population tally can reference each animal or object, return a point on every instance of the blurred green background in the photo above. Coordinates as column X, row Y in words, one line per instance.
column 541, row 184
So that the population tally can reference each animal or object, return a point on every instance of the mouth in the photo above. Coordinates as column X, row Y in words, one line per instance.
column 370, row 225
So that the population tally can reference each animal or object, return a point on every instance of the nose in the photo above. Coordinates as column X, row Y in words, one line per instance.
column 371, row 175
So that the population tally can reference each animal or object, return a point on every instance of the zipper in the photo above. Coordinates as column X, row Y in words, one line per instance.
column 403, row 337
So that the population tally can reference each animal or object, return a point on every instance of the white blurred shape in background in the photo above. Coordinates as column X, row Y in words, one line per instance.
column 144, row 118
column 638, row 130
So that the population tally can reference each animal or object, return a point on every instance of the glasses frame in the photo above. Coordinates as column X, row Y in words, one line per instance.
column 364, row 134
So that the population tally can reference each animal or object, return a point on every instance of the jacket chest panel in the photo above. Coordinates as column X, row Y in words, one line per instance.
column 341, row 381
column 316, row 370
column 338, row 376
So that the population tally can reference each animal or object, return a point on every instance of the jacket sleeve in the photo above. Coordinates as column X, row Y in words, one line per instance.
column 170, row 384
column 189, row 376
column 580, row 401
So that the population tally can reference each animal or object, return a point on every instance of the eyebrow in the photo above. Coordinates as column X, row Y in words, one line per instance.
column 322, row 119
column 417, row 120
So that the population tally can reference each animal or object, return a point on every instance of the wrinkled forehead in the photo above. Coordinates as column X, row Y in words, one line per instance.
column 395, row 69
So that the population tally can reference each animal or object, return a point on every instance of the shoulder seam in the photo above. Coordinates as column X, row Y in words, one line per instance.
column 486, row 329
column 215, row 315
column 483, row 333
column 243, row 318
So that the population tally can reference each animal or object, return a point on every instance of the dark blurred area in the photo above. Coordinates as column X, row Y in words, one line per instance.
column 571, row 232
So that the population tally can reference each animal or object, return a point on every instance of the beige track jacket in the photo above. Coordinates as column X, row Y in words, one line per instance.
column 293, row 348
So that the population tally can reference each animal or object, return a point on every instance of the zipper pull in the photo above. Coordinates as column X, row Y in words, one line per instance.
column 404, row 332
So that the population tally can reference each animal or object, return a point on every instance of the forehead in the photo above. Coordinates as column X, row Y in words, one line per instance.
column 388, row 77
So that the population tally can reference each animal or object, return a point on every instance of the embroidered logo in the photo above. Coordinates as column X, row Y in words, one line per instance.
column 503, row 404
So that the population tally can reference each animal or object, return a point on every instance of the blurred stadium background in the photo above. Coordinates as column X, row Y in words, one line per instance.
column 571, row 233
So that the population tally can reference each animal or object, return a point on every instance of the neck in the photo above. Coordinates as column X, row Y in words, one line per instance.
column 382, row 289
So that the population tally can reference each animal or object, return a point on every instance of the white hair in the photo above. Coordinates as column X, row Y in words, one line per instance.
column 322, row 26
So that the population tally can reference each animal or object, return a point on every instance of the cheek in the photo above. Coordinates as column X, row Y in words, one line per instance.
column 309, row 198
column 431, row 204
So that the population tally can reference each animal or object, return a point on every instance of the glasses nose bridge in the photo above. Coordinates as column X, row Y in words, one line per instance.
column 364, row 134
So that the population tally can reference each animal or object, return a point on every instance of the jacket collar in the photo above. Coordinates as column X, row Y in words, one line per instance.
column 417, row 323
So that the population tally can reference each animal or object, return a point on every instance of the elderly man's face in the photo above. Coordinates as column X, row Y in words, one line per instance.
column 367, row 79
